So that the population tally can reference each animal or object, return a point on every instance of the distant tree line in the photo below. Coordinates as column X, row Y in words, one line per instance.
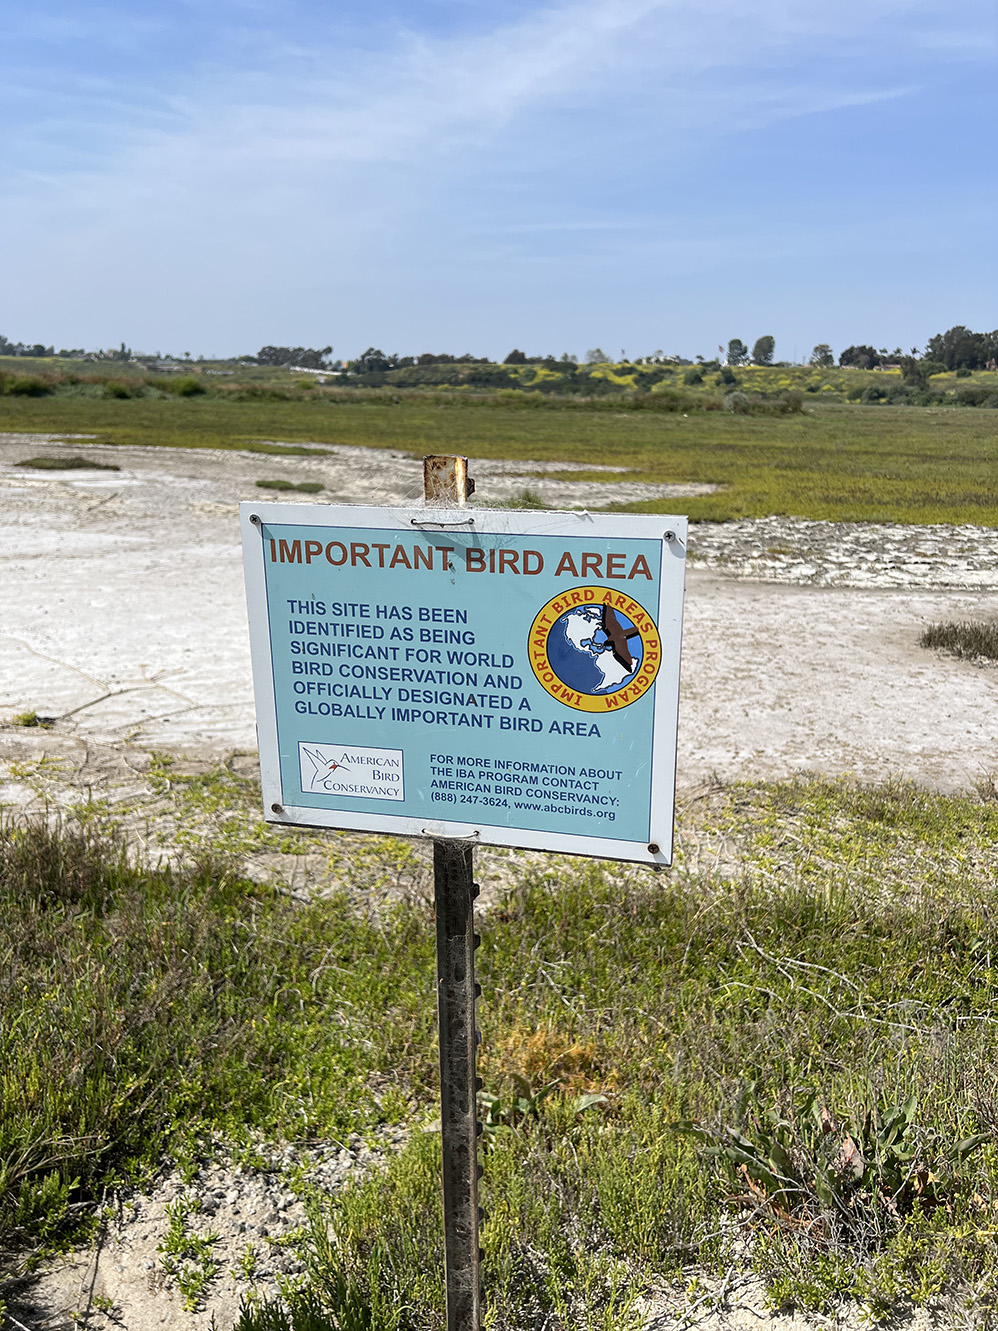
column 306, row 358
column 23, row 349
column 373, row 361
column 959, row 349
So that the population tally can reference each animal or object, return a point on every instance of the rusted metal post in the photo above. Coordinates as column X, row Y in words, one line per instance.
column 446, row 482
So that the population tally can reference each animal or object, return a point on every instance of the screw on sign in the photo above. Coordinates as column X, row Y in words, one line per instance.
column 468, row 676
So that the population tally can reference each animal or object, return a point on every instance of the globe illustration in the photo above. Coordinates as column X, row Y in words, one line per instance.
column 594, row 649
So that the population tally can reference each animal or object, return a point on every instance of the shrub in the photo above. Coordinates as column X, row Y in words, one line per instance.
column 667, row 399
column 874, row 393
column 27, row 385
column 261, row 393
column 791, row 404
column 973, row 395
column 694, row 375
column 737, row 402
column 118, row 390
column 187, row 386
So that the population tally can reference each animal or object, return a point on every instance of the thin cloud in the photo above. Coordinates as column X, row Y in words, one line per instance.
column 257, row 171
column 436, row 94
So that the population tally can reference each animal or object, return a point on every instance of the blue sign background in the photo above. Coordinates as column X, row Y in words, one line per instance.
column 425, row 629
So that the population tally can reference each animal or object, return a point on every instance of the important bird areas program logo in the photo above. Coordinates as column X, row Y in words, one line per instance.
column 594, row 649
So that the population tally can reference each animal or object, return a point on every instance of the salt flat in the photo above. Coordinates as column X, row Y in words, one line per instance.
column 123, row 615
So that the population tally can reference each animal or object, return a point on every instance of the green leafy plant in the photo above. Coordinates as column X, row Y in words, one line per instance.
column 804, row 1163
column 187, row 1256
column 523, row 1105
column 30, row 719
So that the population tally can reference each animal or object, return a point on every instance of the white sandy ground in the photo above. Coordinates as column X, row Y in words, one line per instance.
column 122, row 616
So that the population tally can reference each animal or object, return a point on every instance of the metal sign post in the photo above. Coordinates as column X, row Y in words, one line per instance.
column 446, row 482
column 454, row 893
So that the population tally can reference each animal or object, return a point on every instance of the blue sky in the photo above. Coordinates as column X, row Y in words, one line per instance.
column 211, row 175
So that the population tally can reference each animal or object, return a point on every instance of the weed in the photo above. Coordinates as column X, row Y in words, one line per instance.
column 302, row 487
column 247, row 1262
column 806, row 1165
column 970, row 639
column 64, row 463
column 31, row 719
column 187, row 1255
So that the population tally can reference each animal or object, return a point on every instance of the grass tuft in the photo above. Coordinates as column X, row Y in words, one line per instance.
column 526, row 499
column 302, row 487
column 31, row 719
column 972, row 639
column 64, row 463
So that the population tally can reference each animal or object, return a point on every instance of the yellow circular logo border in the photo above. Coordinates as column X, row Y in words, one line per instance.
column 575, row 598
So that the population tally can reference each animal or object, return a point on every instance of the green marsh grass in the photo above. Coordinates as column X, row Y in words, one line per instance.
column 832, row 461
column 302, row 487
column 971, row 639
column 845, row 965
column 66, row 463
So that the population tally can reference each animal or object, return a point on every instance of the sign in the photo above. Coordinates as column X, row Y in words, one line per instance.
column 510, row 677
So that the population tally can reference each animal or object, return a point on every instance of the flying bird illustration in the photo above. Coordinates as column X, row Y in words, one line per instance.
column 618, row 637
column 320, row 763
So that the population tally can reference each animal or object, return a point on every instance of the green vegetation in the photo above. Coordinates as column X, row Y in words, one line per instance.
column 798, row 1053
column 303, row 487
column 187, row 1253
column 974, row 639
column 66, row 463
column 831, row 461
column 30, row 719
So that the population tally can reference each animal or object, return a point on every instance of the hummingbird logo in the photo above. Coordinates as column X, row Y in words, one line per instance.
column 322, row 766
column 350, row 771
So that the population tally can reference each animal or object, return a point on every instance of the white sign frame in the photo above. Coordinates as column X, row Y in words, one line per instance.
column 669, row 530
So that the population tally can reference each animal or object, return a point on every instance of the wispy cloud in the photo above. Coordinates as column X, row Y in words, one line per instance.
column 284, row 152
column 684, row 63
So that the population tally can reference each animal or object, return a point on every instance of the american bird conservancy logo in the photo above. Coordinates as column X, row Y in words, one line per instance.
column 351, row 770
column 594, row 649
